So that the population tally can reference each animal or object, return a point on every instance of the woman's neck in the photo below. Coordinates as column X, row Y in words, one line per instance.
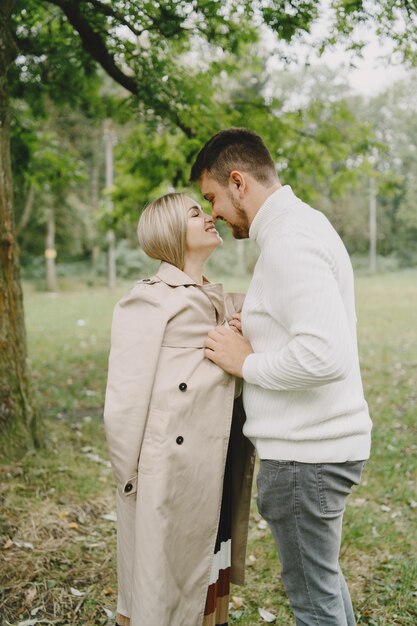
column 194, row 268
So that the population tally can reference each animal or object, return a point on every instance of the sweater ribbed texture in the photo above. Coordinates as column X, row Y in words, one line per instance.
column 303, row 393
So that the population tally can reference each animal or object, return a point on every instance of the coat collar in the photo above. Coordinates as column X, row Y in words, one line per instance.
column 174, row 277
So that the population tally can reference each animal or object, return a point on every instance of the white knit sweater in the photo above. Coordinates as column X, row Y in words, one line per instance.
column 303, row 393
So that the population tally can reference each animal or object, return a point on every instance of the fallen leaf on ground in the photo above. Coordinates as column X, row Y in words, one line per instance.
column 30, row 595
column 110, row 517
column 23, row 544
column 97, row 459
column 266, row 615
column 36, row 610
column 357, row 502
column 76, row 592
column 92, row 546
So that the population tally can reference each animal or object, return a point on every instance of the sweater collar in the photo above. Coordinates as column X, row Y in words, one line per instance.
column 276, row 205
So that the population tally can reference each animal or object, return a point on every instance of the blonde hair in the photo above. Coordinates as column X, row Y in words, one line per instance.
column 162, row 229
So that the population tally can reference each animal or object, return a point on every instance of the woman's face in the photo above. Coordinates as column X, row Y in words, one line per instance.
column 201, row 234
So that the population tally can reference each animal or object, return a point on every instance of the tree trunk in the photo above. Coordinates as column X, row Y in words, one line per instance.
column 95, row 201
column 372, row 226
column 109, row 138
column 19, row 422
column 27, row 211
column 50, row 252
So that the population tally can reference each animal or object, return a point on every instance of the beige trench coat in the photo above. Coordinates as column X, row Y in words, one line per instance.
column 168, row 421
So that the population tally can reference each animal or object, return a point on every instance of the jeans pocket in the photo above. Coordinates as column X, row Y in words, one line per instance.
column 272, row 481
column 335, row 482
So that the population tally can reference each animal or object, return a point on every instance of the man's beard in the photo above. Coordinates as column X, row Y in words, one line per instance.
column 240, row 228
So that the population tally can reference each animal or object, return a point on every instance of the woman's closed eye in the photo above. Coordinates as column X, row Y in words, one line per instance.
column 194, row 211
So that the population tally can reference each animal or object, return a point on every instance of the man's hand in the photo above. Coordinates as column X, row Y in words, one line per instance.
column 227, row 349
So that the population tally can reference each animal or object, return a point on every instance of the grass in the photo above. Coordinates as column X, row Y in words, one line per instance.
column 57, row 534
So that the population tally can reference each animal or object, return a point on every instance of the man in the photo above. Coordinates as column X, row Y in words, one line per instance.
column 306, row 413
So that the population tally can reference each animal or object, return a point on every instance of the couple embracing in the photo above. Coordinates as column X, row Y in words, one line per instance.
column 182, row 430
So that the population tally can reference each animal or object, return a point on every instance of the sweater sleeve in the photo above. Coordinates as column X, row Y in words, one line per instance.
column 138, row 328
column 303, row 296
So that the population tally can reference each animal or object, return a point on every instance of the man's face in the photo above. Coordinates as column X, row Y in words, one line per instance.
column 225, row 205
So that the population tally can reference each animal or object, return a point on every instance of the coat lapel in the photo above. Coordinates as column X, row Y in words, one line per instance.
column 175, row 277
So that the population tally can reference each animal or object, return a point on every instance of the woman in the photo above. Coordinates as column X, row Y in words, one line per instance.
column 182, row 466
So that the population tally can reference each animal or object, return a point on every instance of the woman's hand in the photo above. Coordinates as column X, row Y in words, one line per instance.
column 235, row 323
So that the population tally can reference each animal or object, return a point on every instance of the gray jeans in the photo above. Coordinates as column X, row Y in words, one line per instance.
column 303, row 504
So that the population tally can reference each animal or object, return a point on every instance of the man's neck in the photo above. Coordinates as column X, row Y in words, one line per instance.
column 260, row 195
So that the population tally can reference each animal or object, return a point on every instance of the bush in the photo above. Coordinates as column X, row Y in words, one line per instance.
column 389, row 263
column 130, row 262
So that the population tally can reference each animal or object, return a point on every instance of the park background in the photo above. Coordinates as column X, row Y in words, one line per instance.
column 103, row 107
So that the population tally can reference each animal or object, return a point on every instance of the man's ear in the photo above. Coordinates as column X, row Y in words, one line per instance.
column 237, row 182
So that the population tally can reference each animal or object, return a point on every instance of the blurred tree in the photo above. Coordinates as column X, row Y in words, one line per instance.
column 53, row 48
column 391, row 20
column 391, row 117
column 56, row 160
column 317, row 144
column 394, row 115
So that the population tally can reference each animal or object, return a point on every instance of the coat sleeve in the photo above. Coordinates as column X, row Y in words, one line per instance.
column 138, row 327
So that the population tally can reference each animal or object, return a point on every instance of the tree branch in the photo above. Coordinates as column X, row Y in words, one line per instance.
column 155, row 24
column 106, row 9
column 95, row 46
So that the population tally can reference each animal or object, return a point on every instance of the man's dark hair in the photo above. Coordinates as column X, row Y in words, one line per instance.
column 234, row 148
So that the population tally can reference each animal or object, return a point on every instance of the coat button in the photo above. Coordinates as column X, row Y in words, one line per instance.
column 128, row 487
column 182, row 386
column 179, row 440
